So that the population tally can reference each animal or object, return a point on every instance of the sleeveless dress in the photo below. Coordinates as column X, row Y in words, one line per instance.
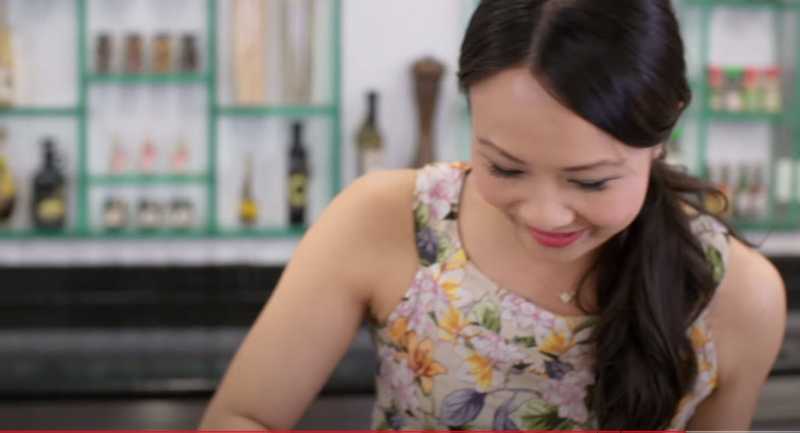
column 459, row 352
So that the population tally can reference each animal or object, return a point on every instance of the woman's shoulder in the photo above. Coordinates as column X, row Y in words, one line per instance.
column 366, row 232
column 748, row 314
column 752, row 294
column 380, row 203
column 392, row 195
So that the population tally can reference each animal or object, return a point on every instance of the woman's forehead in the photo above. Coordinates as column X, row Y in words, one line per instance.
column 513, row 111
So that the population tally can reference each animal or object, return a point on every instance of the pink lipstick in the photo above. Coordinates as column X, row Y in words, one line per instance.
column 556, row 240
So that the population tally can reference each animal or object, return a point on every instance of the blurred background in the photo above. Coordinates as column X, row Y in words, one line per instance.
column 159, row 161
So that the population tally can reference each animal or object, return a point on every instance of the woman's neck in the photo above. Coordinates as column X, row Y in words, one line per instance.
column 501, row 248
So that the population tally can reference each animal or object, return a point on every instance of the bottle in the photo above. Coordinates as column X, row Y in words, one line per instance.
column 369, row 141
column 115, row 214
column 714, row 203
column 134, row 54
column 298, row 177
column 783, row 186
column 772, row 91
column 8, row 189
column 743, row 200
column 162, row 54
column 726, row 186
column 752, row 95
column 734, row 100
column 119, row 156
column 49, row 201
column 103, row 53
column 150, row 214
column 248, row 208
column 716, row 84
column 6, row 59
column 147, row 159
column 181, row 214
column 189, row 58
column 759, row 196
column 180, row 157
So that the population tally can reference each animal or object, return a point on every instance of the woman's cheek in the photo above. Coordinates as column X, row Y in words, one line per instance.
column 492, row 191
column 618, row 208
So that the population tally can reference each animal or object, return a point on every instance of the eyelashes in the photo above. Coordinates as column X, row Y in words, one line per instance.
column 599, row 185
column 593, row 186
column 498, row 171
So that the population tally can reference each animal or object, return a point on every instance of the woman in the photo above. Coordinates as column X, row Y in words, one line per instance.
column 565, row 278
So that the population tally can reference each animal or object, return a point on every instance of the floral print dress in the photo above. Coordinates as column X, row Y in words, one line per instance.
column 459, row 352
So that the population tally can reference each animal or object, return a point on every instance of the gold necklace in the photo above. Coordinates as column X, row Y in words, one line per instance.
column 567, row 297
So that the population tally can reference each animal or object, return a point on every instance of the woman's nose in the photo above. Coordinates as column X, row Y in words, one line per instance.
column 547, row 211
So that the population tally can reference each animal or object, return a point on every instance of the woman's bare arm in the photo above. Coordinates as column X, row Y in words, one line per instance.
column 748, row 323
column 317, row 307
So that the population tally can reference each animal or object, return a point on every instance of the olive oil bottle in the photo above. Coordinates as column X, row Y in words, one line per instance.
column 248, row 208
column 49, row 198
column 298, row 177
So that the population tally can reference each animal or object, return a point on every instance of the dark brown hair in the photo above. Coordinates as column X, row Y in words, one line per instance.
column 620, row 66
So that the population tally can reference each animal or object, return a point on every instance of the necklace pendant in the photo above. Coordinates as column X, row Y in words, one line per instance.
column 566, row 297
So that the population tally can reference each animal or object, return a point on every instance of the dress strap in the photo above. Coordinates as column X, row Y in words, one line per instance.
column 715, row 241
column 436, row 203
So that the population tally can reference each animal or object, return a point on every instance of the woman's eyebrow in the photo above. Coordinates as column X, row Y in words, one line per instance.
column 593, row 165
column 498, row 149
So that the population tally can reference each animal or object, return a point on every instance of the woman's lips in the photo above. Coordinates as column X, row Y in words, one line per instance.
column 556, row 240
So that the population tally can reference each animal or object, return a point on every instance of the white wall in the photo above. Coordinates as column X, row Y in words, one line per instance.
column 382, row 38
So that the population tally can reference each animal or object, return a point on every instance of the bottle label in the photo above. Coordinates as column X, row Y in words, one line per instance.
column 50, row 209
column 760, row 204
column 783, row 178
column 372, row 160
column 297, row 190
column 743, row 204
column 6, row 87
column 248, row 211
column 115, row 217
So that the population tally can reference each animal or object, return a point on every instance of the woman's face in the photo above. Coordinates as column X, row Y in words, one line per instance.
column 565, row 186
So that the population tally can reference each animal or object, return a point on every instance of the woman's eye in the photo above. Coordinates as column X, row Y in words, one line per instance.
column 502, row 172
column 592, row 186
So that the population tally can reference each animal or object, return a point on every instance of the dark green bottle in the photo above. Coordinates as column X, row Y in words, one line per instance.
column 49, row 205
column 298, row 177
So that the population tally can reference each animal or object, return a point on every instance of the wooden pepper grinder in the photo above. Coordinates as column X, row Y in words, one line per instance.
column 427, row 76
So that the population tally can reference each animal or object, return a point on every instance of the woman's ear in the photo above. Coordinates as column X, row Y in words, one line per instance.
column 658, row 152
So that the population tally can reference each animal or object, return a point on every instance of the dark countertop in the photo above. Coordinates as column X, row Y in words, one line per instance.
column 777, row 410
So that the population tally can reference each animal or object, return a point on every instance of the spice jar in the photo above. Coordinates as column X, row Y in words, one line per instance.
column 134, row 54
column 162, row 54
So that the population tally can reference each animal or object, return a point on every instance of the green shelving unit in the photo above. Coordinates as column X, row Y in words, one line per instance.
column 136, row 179
column 783, row 125
column 83, row 228
column 279, row 111
column 746, row 4
column 146, row 78
column 40, row 111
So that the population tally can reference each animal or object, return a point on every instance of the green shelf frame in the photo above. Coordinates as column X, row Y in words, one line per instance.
column 277, row 111
column 40, row 111
column 787, row 120
column 765, row 225
column 743, row 117
column 745, row 4
column 172, row 78
column 166, row 234
column 85, row 183
column 146, row 179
